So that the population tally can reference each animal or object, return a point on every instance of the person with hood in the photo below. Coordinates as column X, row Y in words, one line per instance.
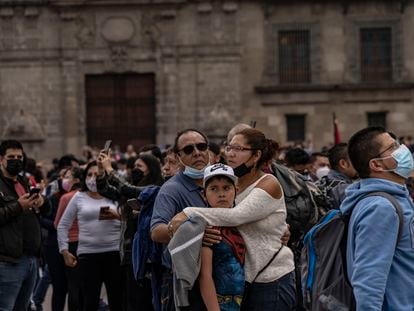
column 379, row 262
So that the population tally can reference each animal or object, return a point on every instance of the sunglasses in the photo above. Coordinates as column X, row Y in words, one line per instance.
column 189, row 149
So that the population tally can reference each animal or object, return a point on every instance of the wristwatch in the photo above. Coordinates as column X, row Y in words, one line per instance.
column 170, row 229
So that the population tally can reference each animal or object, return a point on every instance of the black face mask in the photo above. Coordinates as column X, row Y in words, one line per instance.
column 14, row 166
column 242, row 170
column 136, row 176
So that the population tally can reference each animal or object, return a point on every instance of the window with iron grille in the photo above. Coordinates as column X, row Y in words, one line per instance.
column 295, row 124
column 376, row 54
column 377, row 118
column 294, row 56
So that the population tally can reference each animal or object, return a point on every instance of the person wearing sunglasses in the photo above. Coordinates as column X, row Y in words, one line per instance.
column 182, row 190
column 260, row 216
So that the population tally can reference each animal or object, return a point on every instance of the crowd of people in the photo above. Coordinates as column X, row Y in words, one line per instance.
column 201, row 226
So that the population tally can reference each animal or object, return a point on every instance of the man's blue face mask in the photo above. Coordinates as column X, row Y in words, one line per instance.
column 404, row 159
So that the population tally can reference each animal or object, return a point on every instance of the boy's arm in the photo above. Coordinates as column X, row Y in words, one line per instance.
column 207, row 288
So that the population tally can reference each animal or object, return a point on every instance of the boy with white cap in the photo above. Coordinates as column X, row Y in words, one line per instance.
column 222, row 275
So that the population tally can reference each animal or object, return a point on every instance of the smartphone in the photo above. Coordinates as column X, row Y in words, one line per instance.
column 107, row 146
column 34, row 190
column 103, row 210
column 134, row 204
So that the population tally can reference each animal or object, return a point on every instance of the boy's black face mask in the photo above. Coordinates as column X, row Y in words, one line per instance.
column 14, row 166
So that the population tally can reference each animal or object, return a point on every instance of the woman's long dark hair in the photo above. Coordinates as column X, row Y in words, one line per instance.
column 77, row 172
column 85, row 174
column 154, row 176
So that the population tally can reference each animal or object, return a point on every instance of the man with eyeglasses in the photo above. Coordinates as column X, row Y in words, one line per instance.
column 380, row 246
column 181, row 191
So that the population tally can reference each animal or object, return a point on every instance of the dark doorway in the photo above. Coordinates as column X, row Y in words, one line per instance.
column 120, row 107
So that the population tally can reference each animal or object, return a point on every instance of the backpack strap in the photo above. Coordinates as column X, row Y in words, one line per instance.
column 268, row 264
column 396, row 205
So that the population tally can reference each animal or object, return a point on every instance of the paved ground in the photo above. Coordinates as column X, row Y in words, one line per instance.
column 47, row 305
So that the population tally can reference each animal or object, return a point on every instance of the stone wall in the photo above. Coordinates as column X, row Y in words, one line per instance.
column 214, row 62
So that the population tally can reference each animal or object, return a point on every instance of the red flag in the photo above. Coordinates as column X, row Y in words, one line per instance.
column 337, row 136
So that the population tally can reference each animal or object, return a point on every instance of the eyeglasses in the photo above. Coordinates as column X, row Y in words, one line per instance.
column 189, row 149
column 236, row 148
column 394, row 146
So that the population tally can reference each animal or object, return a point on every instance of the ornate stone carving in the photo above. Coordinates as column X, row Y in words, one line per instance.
column 8, row 32
column 218, row 24
column 118, row 30
column 217, row 122
column 23, row 127
column 151, row 31
column 119, row 59
column 86, row 31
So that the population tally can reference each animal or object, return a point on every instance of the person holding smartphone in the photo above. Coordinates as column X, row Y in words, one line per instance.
column 98, row 246
column 20, row 234
column 147, row 171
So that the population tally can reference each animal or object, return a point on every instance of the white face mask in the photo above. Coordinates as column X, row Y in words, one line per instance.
column 322, row 171
column 91, row 184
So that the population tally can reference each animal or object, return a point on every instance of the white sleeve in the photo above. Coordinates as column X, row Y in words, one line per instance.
column 65, row 223
column 256, row 206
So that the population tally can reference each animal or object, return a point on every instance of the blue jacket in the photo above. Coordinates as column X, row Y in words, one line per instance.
column 144, row 250
column 380, row 270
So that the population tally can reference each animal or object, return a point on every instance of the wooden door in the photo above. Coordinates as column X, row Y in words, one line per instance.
column 120, row 107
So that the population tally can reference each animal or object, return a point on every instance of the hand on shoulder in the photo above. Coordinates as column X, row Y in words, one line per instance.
column 271, row 186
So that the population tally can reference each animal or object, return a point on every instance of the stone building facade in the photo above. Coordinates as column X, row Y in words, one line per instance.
column 74, row 72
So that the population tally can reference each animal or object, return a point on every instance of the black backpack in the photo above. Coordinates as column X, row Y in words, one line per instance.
column 305, row 203
column 324, row 276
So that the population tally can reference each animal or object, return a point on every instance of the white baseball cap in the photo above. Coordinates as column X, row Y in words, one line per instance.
column 218, row 169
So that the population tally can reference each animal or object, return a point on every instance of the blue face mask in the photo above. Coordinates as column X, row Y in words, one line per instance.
column 405, row 161
column 193, row 173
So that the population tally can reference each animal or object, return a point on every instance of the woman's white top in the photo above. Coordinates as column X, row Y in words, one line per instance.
column 261, row 220
column 95, row 236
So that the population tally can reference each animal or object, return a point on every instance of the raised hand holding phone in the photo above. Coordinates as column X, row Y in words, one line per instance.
column 108, row 144
column 104, row 159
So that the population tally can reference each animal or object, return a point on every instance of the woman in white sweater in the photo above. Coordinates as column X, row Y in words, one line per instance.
column 98, row 249
column 260, row 215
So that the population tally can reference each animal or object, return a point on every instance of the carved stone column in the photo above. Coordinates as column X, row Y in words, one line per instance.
column 73, row 126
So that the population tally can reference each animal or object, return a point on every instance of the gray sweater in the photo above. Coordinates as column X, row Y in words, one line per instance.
column 185, row 247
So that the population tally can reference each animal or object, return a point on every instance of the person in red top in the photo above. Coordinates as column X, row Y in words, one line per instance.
column 71, row 183
column 19, row 230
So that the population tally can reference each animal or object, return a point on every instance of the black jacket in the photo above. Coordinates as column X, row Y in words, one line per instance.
column 19, row 229
column 116, row 188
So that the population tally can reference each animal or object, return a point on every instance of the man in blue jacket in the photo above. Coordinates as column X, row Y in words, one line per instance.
column 380, row 265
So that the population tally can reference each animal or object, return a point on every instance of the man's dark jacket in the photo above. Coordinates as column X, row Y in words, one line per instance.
column 19, row 229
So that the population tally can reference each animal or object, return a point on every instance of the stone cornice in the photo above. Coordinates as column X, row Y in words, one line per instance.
column 23, row 2
column 80, row 3
column 301, row 88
